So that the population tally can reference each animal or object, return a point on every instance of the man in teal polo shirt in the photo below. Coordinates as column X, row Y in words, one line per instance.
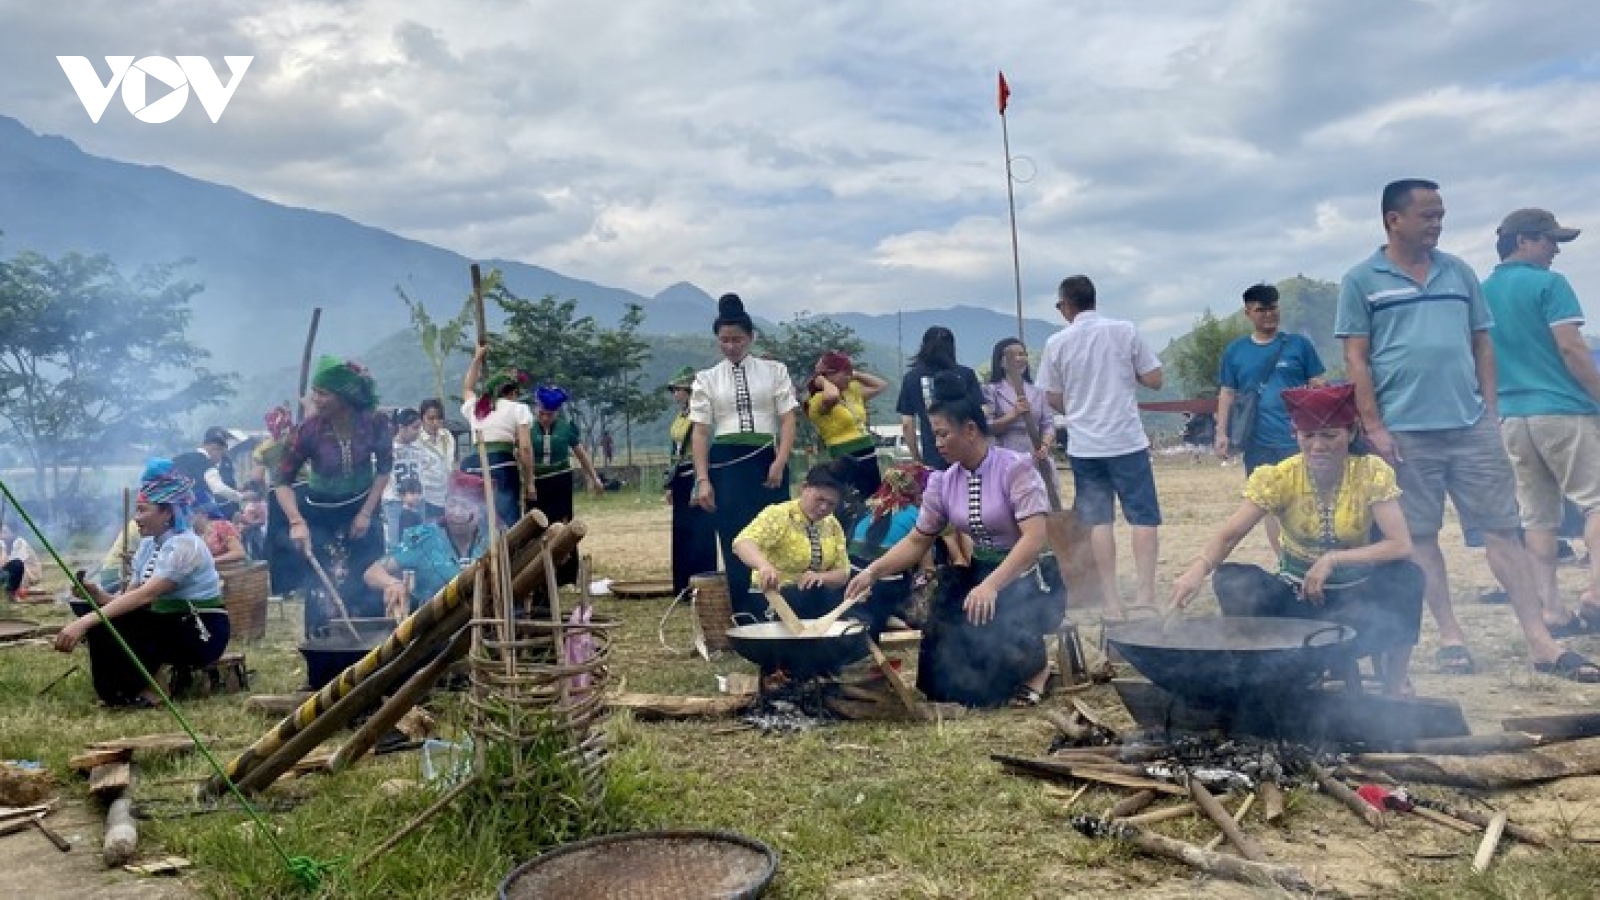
column 1417, row 348
column 1549, row 392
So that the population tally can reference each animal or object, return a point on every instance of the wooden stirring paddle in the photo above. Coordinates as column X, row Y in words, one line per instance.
column 820, row 626
column 785, row 612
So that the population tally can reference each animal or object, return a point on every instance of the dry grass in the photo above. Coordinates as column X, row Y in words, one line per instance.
column 855, row 809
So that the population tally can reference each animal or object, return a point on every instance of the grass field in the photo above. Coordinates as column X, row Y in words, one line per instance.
column 855, row 809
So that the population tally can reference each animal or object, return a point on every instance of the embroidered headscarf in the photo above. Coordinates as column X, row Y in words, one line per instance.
column 278, row 421
column 348, row 381
column 159, row 484
column 550, row 397
column 495, row 386
column 1311, row 408
column 902, row 487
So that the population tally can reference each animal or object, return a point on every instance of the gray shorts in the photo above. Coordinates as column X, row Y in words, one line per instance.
column 1470, row 465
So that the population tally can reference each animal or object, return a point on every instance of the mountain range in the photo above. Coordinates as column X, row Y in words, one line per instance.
column 265, row 266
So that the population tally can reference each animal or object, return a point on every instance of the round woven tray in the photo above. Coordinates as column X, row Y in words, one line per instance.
column 648, row 865
column 640, row 590
column 12, row 629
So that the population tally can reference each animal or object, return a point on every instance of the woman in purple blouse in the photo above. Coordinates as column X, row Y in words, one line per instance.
column 983, row 642
column 1009, row 414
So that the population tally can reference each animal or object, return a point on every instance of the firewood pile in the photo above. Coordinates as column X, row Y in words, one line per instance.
column 1224, row 779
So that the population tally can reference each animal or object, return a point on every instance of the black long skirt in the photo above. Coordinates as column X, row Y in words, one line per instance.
column 344, row 558
column 555, row 501
column 737, row 475
column 694, row 534
column 157, row 639
column 984, row 665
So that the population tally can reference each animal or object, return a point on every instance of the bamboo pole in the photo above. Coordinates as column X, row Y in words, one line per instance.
column 305, row 365
column 399, row 703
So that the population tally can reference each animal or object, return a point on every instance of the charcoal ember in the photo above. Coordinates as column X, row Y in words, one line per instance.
column 1096, row 827
column 791, row 707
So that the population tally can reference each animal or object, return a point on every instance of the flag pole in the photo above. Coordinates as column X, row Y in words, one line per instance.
column 1011, row 203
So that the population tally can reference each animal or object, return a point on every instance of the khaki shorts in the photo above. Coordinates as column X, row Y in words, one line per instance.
column 1554, row 457
column 1469, row 465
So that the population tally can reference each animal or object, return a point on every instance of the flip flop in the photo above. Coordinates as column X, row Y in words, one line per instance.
column 1455, row 660
column 1572, row 666
column 1573, row 627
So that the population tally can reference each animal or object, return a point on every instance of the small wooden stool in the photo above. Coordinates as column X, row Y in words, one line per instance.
column 227, row 675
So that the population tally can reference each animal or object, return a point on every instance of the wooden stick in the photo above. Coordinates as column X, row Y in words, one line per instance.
column 1073, row 800
column 907, row 696
column 402, row 701
column 333, row 593
column 1521, row 833
column 22, row 812
column 305, row 367
column 1218, row 864
column 1164, row 814
column 1439, row 818
column 1473, row 744
column 60, row 842
column 1130, row 804
column 1214, row 810
column 125, row 569
column 1044, row 768
column 422, row 817
column 1491, row 840
column 1271, row 801
column 1238, row 817
column 1341, row 792
column 1562, row 727
column 122, row 834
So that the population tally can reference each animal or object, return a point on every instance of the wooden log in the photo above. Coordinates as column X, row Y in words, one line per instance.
column 1560, row 727
column 666, row 706
column 1473, row 744
column 1271, row 802
column 1164, row 814
column 110, row 780
column 903, row 638
column 400, row 703
column 88, row 762
column 22, row 812
column 1220, row 865
column 1439, row 818
column 1238, row 818
column 1353, row 802
column 1491, row 841
column 1520, row 833
column 1214, row 811
column 1045, row 768
column 122, row 834
column 151, row 743
column 904, row 691
column 1494, row 771
column 276, row 704
column 1130, row 805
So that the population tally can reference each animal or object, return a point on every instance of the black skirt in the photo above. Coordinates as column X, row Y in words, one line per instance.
column 984, row 665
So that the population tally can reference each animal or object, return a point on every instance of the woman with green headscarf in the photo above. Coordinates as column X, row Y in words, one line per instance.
column 349, row 448
column 502, row 423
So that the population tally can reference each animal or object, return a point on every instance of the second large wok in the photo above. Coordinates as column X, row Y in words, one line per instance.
column 1229, row 661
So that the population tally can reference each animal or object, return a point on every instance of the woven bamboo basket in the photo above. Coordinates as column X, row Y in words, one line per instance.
column 245, row 588
column 713, row 609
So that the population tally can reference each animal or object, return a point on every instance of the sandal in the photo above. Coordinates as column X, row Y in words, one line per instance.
column 1572, row 627
column 1026, row 698
column 1455, row 660
column 1572, row 666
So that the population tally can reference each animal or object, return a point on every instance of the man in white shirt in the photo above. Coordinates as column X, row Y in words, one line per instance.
column 1091, row 372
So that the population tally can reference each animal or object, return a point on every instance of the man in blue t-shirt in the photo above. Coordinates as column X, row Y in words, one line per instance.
column 1265, row 360
column 1417, row 348
column 1549, row 391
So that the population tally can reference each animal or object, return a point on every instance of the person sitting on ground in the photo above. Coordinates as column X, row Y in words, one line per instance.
column 19, row 565
column 221, row 538
column 983, row 643
column 1329, row 566
column 892, row 514
column 172, row 612
column 797, row 547
column 434, row 552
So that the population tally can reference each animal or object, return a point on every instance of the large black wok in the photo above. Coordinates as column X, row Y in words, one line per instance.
column 1228, row 661
column 772, row 646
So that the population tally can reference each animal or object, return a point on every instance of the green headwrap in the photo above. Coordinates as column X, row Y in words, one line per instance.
column 683, row 378
column 346, row 380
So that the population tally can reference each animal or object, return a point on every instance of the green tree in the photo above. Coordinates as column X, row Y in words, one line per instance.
column 94, row 361
column 621, row 391
column 440, row 340
column 1196, row 356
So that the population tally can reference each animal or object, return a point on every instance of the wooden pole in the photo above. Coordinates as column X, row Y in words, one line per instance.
column 1271, row 801
column 305, row 365
column 1165, row 814
column 1520, row 833
column 1011, row 204
column 1238, row 818
column 405, row 830
column 1352, row 801
column 125, row 568
column 1218, row 864
column 1131, row 804
column 1214, row 810
column 399, row 703
column 1491, row 840
column 122, row 834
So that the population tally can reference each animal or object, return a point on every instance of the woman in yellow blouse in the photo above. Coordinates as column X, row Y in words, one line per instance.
column 1329, row 565
column 837, row 408
column 797, row 547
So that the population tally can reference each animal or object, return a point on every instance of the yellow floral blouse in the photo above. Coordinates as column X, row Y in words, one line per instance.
column 1311, row 529
column 780, row 532
column 846, row 421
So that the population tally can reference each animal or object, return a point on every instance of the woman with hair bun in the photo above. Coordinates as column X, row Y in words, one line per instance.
column 983, row 643
column 742, row 410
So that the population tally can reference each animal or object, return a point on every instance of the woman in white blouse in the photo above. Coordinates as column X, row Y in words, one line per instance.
column 742, row 410
column 505, row 425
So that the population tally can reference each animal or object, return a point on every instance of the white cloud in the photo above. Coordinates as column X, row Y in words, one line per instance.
column 835, row 155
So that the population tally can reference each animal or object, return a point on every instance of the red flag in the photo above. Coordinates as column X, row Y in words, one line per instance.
column 1005, row 93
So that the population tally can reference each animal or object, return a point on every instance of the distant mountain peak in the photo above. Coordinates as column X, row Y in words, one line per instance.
column 684, row 292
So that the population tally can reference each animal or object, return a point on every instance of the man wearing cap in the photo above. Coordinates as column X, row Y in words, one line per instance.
column 1549, row 392
column 211, row 470
column 1417, row 348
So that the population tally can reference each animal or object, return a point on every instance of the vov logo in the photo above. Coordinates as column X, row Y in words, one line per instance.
column 134, row 77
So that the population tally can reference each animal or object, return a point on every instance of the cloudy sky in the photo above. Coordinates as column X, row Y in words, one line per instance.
column 824, row 155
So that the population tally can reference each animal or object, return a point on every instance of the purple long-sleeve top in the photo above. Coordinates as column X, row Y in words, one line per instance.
column 1012, row 491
